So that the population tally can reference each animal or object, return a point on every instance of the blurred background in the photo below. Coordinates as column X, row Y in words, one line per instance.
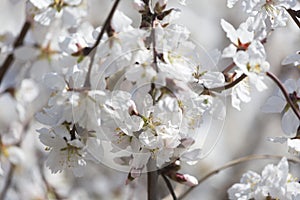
column 244, row 132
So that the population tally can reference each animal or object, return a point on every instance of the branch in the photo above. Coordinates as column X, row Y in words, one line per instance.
column 152, row 176
column 92, row 50
column 233, row 163
column 18, row 42
column 49, row 188
column 294, row 14
column 228, row 68
column 169, row 186
column 226, row 87
column 285, row 93
column 12, row 167
column 154, row 47
column 8, row 181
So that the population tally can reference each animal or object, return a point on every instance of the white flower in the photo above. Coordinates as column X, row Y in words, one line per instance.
column 271, row 10
column 240, row 38
column 65, row 151
column 275, row 182
column 252, row 63
column 240, row 93
column 278, row 104
column 68, row 10
column 294, row 146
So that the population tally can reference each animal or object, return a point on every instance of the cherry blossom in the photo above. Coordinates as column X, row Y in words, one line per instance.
column 272, row 11
column 139, row 96
column 68, row 10
column 274, row 182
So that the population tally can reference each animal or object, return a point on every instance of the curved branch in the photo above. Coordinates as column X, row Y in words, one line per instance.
column 285, row 93
column 233, row 163
column 228, row 86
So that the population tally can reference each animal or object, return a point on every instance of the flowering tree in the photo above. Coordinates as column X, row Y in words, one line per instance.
column 141, row 99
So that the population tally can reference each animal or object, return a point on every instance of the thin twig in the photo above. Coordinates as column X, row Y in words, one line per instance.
column 8, row 181
column 92, row 50
column 18, row 42
column 233, row 163
column 50, row 188
column 293, row 14
column 285, row 93
column 154, row 47
column 169, row 185
column 12, row 168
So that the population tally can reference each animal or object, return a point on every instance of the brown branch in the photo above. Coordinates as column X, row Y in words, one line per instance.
column 225, row 87
column 18, row 42
column 294, row 15
column 92, row 50
column 233, row 163
column 285, row 93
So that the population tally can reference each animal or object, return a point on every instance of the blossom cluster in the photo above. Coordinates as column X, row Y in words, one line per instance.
column 137, row 98
column 275, row 182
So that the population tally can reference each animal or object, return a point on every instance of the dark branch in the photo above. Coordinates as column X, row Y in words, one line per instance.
column 92, row 50
column 225, row 87
column 18, row 42
column 294, row 14
column 152, row 176
column 169, row 187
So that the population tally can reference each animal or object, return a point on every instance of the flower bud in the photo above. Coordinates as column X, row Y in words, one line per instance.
column 132, row 110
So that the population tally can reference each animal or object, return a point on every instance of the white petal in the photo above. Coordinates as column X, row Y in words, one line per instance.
column 41, row 3
column 231, row 3
column 230, row 31
column 244, row 35
column 294, row 146
column 274, row 104
column 120, row 22
column 280, row 140
column 28, row 91
column 229, row 51
column 46, row 17
column 290, row 123
column 16, row 155
column 292, row 59
column 54, row 81
column 73, row 2
column 26, row 53
column 290, row 85
column 241, row 59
